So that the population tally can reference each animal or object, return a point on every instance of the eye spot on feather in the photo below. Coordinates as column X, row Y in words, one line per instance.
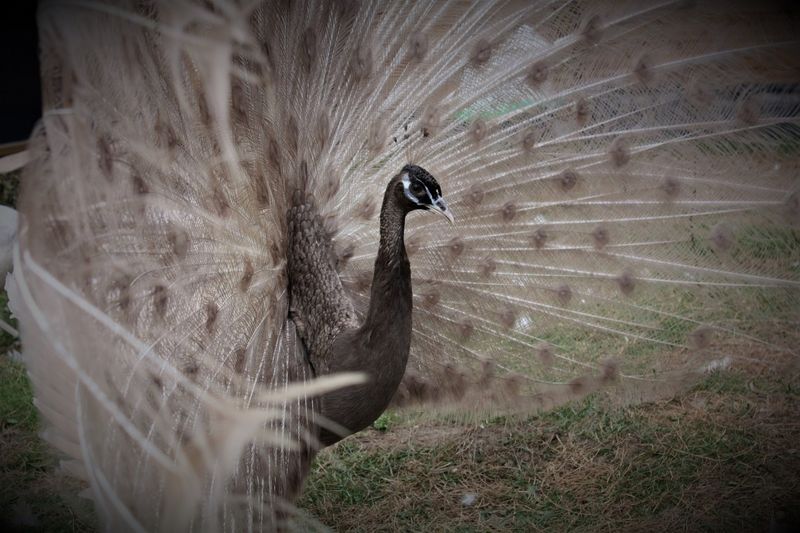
column 262, row 191
column 239, row 360
column 529, row 140
column 513, row 384
column 221, row 204
column 190, row 370
column 749, row 112
column 487, row 373
column 164, row 134
column 609, row 371
column 700, row 338
column 643, row 70
column 430, row 300
column 592, row 31
column 568, row 179
column 481, row 53
column 722, row 238
column 508, row 212
column 123, row 286
column 160, row 300
column 564, row 294
column 476, row 194
column 699, row 94
column 537, row 74
column 626, row 282
column 105, row 157
column 417, row 47
column 477, row 131
column 508, row 318
column 179, row 241
column 578, row 386
column 539, row 238
column 601, row 237
column 487, row 267
column 619, row 153
column 413, row 245
column 413, row 390
column 247, row 276
column 212, row 311
column 544, row 353
column 456, row 383
column 465, row 330
column 202, row 108
column 61, row 232
column 670, row 187
column 140, row 187
column 455, row 247
column 582, row 111
column 275, row 254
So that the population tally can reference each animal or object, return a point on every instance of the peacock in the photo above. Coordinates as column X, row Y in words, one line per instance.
column 226, row 257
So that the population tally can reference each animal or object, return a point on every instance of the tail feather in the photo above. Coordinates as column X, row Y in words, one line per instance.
column 623, row 175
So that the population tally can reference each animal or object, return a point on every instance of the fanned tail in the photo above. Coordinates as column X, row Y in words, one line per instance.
column 623, row 176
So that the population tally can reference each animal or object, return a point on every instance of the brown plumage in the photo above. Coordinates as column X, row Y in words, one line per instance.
column 624, row 174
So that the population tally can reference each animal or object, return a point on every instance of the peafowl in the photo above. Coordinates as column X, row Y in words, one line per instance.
column 209, row 287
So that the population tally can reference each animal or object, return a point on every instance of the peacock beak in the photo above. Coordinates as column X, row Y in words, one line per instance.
column 440, row 206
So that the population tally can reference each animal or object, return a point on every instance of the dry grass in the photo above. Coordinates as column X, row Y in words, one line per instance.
column 722, row 457
column 33, row 496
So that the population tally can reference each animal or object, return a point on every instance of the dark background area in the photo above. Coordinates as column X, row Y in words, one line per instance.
column 20, row 90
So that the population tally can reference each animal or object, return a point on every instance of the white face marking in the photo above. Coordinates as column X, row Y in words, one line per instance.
column 407, row 183
column 438, row 205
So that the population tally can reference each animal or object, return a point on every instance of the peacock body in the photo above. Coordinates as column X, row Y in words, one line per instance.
column 624, row 178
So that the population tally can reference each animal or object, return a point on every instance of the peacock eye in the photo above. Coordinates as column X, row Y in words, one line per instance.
column 417, row 188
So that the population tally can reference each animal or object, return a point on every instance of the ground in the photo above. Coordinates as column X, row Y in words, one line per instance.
column 723, row 456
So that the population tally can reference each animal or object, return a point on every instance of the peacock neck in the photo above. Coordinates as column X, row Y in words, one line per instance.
column 391, row 280
column 393, row 222
column 380, row 347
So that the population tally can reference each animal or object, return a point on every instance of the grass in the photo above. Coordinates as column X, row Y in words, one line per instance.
column 722, row 457
column 33, row 495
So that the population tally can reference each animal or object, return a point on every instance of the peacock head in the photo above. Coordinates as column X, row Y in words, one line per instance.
column 421, row 191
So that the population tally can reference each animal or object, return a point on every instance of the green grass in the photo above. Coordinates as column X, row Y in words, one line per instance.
column 16, row 407
column 33, row 496
column 722, row 457
column 9, row 188
column 7, row 341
